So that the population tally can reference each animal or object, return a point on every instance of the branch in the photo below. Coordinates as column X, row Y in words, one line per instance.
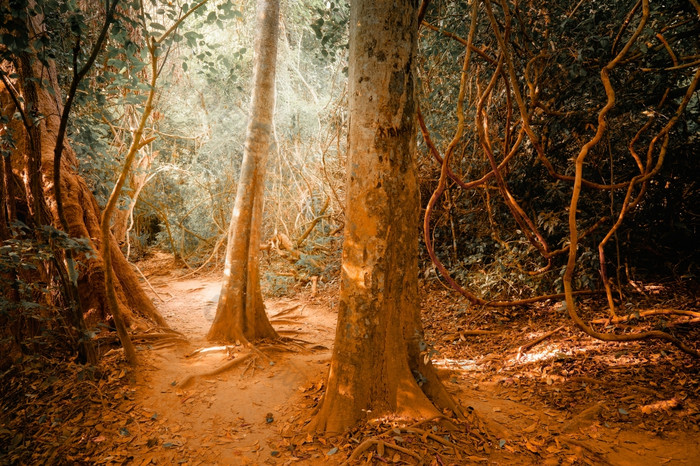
column 78, row 76
column 15, row 100
column 179, row 21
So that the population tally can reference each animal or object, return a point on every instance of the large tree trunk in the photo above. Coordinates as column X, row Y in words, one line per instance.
column 81, row 209
column 377, row 367
column 240, row 314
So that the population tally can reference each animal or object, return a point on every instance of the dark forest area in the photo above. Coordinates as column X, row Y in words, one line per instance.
column 328, row 232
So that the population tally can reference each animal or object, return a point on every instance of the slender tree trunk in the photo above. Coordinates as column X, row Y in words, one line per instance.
column 240, row 315
column 377, row 366
column 138, row 177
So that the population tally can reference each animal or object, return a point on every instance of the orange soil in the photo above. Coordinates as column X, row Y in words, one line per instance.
column 250, row 414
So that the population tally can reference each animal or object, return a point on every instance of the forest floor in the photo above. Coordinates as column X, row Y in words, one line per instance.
column 546, row 394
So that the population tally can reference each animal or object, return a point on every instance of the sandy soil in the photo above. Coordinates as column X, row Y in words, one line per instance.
column 254, row 413
column 238, row 416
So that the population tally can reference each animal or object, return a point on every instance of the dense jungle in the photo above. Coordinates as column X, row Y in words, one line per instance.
column 423, row 232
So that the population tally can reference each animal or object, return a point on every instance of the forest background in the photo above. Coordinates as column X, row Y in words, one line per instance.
column 579, row 126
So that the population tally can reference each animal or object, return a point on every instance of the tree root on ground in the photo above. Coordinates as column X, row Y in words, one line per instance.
column 588, row 415
column 380, row 449
column 146, row 280
column 290, row 332
column 250, row 357
column 211, row 349
column 604, row 383
column 291, row 345
column 288, row 321
column 597, row 454
column 189, row 380
column 250, row 365
column 456, row 447
column 289, row 310
column 526, row 347
column 642, row 314
column 296, row 340
column 163, row 336
column 462, row 334
column 159, row 336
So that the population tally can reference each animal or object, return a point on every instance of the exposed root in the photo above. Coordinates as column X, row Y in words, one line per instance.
column 164, row 345
column 364, row 446
column 210, row 349
column 250, row 365
column 425, row 435
column 536, row 342
column 642, row 314
column 462, row 334
column 260, row 353
column 289, row 310
column 292, row 345
column 588, row 415
column 189, row 380
column 290, row 321
column 586, row 447
column 298, row 341
column 290, row 332
column 592, row 381
column 159, row 336
column 458, row 444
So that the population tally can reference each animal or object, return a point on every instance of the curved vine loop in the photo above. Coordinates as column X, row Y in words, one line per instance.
column 649, row 172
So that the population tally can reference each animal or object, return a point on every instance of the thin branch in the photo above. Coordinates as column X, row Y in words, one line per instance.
column 78, row 76
column 178, row 22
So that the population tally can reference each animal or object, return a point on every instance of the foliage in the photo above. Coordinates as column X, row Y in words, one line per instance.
column 32, row 304
column 192, row 164
column 557, row 51
column 187, row 180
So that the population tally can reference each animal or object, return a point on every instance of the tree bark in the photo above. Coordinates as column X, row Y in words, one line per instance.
column 81, row 209
column 240, row 314
column 378, row 364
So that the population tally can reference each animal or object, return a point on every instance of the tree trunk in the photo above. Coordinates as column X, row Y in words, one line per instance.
column 377, row 366
column 138, row 177
column 81, row 209
column 240, row 314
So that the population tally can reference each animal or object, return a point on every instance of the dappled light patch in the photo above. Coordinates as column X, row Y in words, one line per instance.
column 569, row 395
column 548, row 315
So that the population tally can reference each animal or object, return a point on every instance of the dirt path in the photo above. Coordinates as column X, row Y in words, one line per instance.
column 237, row 417
column 252, row 414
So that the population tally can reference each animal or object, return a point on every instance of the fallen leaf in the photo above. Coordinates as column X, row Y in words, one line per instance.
column 664, row 405
column 532, row 428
